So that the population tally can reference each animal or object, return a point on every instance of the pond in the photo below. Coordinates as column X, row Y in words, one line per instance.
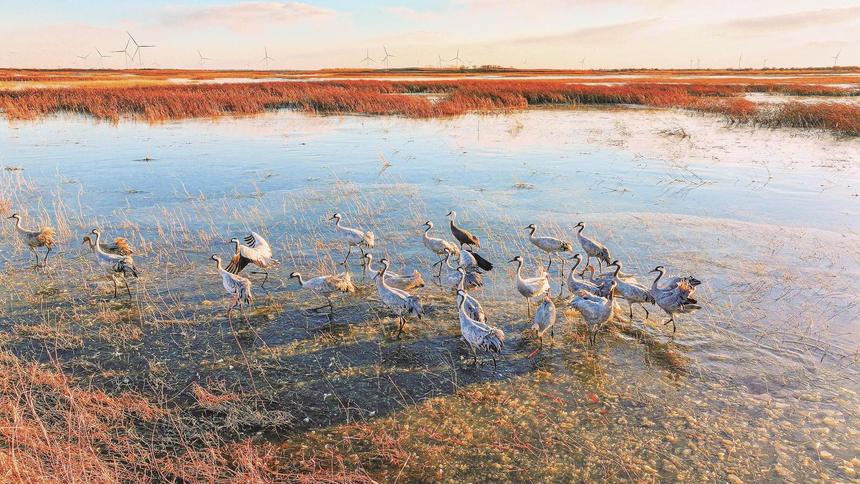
column 761, row 383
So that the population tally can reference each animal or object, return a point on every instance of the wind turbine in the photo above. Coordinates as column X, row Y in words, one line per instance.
column 124, row 51
column 101, row 56
column 367, row 59
column 440, row 59
column 764, row 63
column 202, row 59
column 266, row 57
column 582, row 63
column 84, row 57
column 698, row 63
column 387, row 56
column 740, row 58
column 137, row 48
column 836, row 58
column 457, row 57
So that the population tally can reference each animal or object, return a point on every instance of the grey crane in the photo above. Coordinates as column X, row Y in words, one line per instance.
column 631, row 291
column 401, row 302
column 44, row 237
column 353, row 237
column 472, row 307
column 676, row 297
column 395, row 280
column 463, row 236
column 595, row 310
column 438, row 246
column 473, row 278
column 532, row 286
column 478, row 335
column 592, row 247
column 256, row 251
column 550, row 245
column 473, row 261
column 326, row 286
column 544, row 320
column 119, row 246
column 237, row 286
column 577, row 285
column 115, row 264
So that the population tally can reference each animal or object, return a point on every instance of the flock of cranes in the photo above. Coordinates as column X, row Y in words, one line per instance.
column 594, row 296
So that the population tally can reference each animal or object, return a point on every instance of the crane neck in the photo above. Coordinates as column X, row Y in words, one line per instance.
column 532, row 231
column 18, row 224
column 660, row 273
column 573, row 269
column 427, row 230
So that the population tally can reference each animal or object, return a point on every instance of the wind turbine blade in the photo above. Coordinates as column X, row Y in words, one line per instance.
column 131, row 37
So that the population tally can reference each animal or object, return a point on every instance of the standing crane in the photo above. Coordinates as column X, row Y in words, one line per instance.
column 676, row 297
column 237, row 286
column 532, row 286
column 114, row 263
column 401, row 302
column 353, row 237
column 438, row 246
column 478, row 335
column 44, row 237
column 592, row 247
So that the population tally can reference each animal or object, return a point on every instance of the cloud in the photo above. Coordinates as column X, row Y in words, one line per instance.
column 610, row 32
column 793, row 21
column 411, row 14
column 245, row 15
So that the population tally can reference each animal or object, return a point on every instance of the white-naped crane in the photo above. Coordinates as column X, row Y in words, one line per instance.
column 401, row 302
column 472, row 307
column 544, row 320
column 592, row 247
column 478, row 335
column 119, row 246
column 44, row 237
column 353, row 237
column 395, row 280
column 676, row 296
column 595, row 310
column 236, row 286
column 256, row 251
column 630, row 290
column 473, row 280
column 463, row 236
column 326, row 286
column 438, row 246
column 473, row 261
column 580, row 284
column 532, row 286
column 122, row 265
column 550, row 245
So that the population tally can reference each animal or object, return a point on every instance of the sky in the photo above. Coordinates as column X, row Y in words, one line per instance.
column 312, row 34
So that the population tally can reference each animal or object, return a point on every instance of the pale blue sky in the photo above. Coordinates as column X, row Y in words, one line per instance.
column 534, row 33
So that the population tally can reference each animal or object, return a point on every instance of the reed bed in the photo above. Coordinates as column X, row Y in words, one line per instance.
column 408, row 98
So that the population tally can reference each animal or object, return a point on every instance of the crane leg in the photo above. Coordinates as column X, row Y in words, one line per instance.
column 550, row 263
column 671, row 320
column 587, row 261
column 46, row 257
column 36, row 254
column 127, row 289
column 400, row 329
column 529, row 308
column 113, row 279
column 630, row 304
column 266, row 278
column 646, row 310
column 494, row 361
column 348, row 251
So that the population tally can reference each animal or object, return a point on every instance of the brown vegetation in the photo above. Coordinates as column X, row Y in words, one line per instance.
column 431, row 98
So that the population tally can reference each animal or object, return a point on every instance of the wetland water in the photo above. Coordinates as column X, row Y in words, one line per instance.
column 760, row 384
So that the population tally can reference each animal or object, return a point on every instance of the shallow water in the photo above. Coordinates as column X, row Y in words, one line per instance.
column 769, row 220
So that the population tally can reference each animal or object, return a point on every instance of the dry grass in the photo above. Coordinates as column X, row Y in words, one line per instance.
column 412, row 99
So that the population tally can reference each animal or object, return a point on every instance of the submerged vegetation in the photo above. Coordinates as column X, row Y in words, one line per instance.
column 434, row 98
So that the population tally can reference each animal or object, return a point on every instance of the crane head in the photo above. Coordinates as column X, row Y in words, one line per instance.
column 15, row 216
column 336, row 216
column 516, row 259
column 215, row 258
column 657, row 269
column 294, row 275
column 96, row 232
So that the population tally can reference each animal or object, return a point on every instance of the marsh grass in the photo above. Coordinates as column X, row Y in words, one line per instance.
column 161, row 103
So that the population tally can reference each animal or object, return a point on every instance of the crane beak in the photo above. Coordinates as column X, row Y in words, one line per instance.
column 513, row 260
